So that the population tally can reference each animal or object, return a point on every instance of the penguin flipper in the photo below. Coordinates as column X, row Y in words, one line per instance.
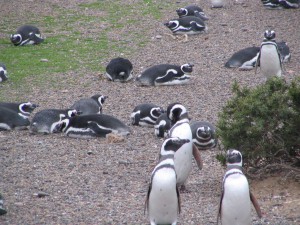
column 256, row 205
column 35, row 38
column 257, row 63
column 178, row 199
column 147, row 200
column 196, row 27
column 167, row 77
column 99, row 131
column 197, row 157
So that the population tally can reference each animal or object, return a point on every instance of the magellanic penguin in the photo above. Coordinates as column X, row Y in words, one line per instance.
column 27, row 35
column 244, row 59
column 163, row 199
column 269, row 59
column 162, row 126
column 204, row 135
column 10, row 119
column 235, row 205
column 24, row 109
column 187, row 25
column 119, row 69
column 192, row 10
column 92, row 105
column 145, row 114
column 165, row 74
column 92, row 126
column 281, row 4
column 178, row 115
column 2, row 210
column 3, row 73
column 46, row 121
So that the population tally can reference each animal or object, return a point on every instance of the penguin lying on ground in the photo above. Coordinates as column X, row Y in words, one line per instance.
column 165, row 74
column 235, row 205
column 119, row 69
column 92, row 105
column 24, row 109
column 3, row 73
column 162, row 126
column 269, row 59
column 27, row 35
column 145, row 114
column 191, row 10
column 178, row 115
column 45, row 121
column 163, row 199
column 204, row 135
column 10, row 119
column 281, row 4
column 93, row 125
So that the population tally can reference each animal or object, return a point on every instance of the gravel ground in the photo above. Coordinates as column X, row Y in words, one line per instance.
column 96, row 182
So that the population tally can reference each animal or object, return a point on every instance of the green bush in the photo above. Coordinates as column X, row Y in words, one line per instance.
column 263, row 123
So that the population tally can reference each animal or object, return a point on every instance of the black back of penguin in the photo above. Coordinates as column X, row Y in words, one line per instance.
column 192, row 10
column 91, row 105
column 26, row 35
column 119, row 69
column 25, row 108
column 9, row 119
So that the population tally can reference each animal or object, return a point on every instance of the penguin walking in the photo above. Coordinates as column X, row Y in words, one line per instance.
column 178, row 114
column 204, row 135
column 27, row 35
column 269, row 59
column 165, row 74
column 92, row 125
column 46, row 121
column 92, row 105
column 3, row 73
column 162, row 126
column 24, row 109
column 236, row 198
column 192, row 10
column 119, row 69
column 145, row 114
column 163, row 199
column 10, row 119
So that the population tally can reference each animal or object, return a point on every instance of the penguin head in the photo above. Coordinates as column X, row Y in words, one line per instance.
column 16, row 38
column 27, row 107
column 100, row 99
column 176, row 111
column 3, row 73
column 234, row 157
column 203, row 132
column 72, row 113
column 171, row 145
column 187, row 68
column 182, row 12
column 269, row 35
column 172, row 24
column 156, row 112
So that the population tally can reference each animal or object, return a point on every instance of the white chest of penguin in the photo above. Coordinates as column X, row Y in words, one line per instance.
column 269, row 61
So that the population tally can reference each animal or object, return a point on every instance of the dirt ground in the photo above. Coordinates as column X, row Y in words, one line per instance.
column 96, row 182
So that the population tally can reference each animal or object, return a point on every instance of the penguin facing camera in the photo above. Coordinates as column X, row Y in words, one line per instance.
column 27, row 35
column 145, row 114
column 236, row 197
column 165, row 74
column 3, row 73
column 119, row 69
column 92, row 105
column 204, row 135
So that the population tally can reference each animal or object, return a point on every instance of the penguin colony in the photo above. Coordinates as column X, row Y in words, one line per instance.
column 183, row 138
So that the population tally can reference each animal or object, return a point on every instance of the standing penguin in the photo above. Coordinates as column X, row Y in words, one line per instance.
column 3, row 73
column 45, row 121
column 10, row 119
column 119, row 69
column 163, row 199
column 165, row 74
column 178, row 114
column 269, row 59
column 204, row 135
column 192, row 10
column 27, row 35
column 235, row 205
column 24, row 109
column 92, row 105
column 162, row 126
column 145, row 114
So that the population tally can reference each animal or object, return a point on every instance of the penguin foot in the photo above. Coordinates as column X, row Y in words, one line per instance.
column 183, row 189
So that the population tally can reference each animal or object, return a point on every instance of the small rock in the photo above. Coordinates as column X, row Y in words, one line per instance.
column 158, row 36
column 41, row 194
column 44, row 60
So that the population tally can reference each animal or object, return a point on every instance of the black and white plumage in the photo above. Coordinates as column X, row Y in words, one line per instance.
column 284, row 51
column 204, row 135
column 163, row 199
column 236, row 198
column 162, row 125
column 192, row 10
column 145, row 114
column 269, row 59
column 165, row 74
column 281, row 4
column 27, row 35
column 187, row 25
column 24, row 109
column 2, row 210
column 178, row 114
column 92, row 105
column 46, row 121
column 3, row 73
column 119, row 69
column 10, row 119
column 92, row 126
